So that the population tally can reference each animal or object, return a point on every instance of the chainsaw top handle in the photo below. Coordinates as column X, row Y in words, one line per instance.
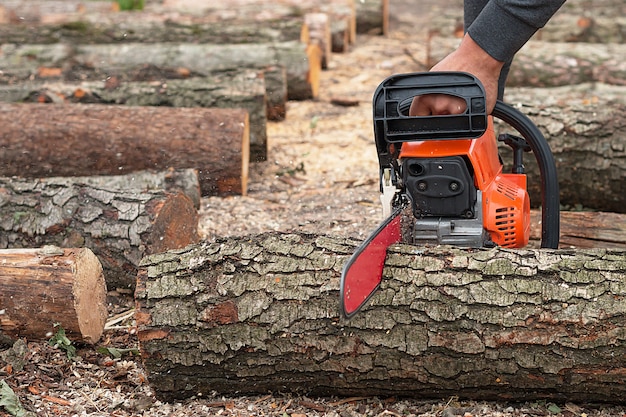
column 392, row 124
column 393, row 98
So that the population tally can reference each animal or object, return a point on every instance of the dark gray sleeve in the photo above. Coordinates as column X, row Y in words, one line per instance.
column 502, row 27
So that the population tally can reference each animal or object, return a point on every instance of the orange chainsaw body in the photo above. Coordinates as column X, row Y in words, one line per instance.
column 505, row 201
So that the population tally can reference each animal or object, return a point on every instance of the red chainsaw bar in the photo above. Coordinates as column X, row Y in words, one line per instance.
column 362, row 274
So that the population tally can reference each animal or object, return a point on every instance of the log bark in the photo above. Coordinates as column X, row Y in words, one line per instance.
column 40, row 288
column 550, row 64
column 260, row 314
column 227, row 89
column 301, row 61
column 586, row 132
column 119, row 225
column 91, row 139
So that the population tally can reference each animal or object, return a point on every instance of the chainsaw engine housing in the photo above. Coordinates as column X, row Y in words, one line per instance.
column 459, row 195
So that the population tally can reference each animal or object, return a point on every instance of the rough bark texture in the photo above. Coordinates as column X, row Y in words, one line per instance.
column 228, row 89
column 42, row 288
column 43, row 140
column 302, row 61
column 586, row 132
column 119, row 225
column 260, row 314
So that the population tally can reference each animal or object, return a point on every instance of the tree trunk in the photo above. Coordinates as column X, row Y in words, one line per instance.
column 259, row 314
column 40, row 288
column 227, row 89
column 90, row 139
column 119, row 225
column 550, row 64
column 586, row 132
column 302, row 61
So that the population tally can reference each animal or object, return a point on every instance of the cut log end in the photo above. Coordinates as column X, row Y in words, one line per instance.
column 89, row 295
column 175, row 224
column 50, row 286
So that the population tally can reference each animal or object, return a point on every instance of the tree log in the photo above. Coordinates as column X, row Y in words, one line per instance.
column 227, row 89
column 587, row 135
column 372, row 17
column 39, row 11
column 339, row 11
column 550, row 64
column 259, row 314
column 91, row 139
column 171, row 181
column 40, row 288
column 585, row 229
column 602, row 24
column 119, row 225
column 301, row 61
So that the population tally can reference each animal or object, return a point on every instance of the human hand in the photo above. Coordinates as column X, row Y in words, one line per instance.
column 468, row 57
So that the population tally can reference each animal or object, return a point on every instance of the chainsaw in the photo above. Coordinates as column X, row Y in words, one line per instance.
column 442, row 179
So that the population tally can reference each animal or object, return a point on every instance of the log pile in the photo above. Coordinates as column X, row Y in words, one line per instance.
column 115, row 125
column 176, row 99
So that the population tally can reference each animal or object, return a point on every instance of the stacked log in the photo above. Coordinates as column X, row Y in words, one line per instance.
column 225, row 89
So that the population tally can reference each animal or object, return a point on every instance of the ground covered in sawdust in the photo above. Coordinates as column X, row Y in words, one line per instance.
column 320, row 176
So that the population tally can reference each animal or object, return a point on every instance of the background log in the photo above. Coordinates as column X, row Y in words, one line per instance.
column 585, row 131
column 119, row 225
column 372, row 17
column 260, row 314
column 40, row 288
column 301, row 61
column 243, row 89
column 91, row 139
column 551, row 64
column 586, row 229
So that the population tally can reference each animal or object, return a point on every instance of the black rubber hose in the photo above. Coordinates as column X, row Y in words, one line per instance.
column 550, row 201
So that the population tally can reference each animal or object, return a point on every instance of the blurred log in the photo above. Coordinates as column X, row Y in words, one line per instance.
column 244, row 89
column 550, row 64
column 119, row 225
column 301, row 61
column 587, row 134
column 91, row 139
column 42, row 288
column 259, row 314
column 372, row 16
column 339, row 11
column 47, row 11
column 586, row 229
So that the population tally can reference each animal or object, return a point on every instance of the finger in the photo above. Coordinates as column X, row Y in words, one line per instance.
column 420, row 106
